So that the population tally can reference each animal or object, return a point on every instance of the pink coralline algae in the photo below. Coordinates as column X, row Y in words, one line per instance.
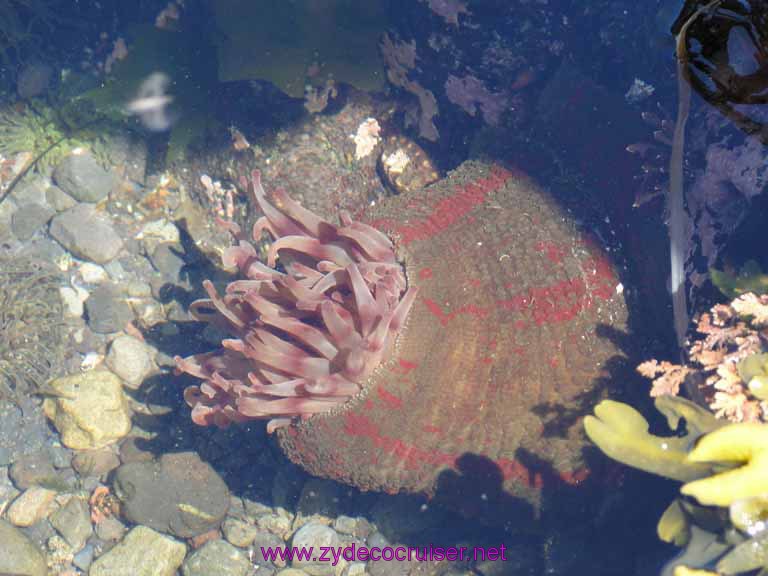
column 469, row 93
column 449, row 10
column 305, row 339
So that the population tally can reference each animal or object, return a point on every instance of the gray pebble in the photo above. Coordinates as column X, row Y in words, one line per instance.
column 58, row 199
column 315, row 535
column 83, row 178
column 107, row 310
column 19, row 554
column 84, row 558
column 179, row 494
column 86, row 233
column 168, row 259
column 29, row 219
column 31, row 190
column 32, row 469
column 216, row 557
column 73, row 522
column 130, row 359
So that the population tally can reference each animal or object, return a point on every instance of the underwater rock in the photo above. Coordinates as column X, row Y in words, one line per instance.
column 108, row 310
column 179, row 494
column 29, row 219
column 18, row 554
column 83, row 178
column 130, row 359
column 142, row 551
column 217, row 557
column 86, row 233
column 89, row 410
column 33, row 504
column 479, row 399
column 73, row 522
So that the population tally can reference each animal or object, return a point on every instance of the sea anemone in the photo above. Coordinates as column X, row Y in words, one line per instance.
column 308, row 327
column 471, row 392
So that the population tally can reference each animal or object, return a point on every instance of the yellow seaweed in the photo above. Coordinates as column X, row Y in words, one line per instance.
column 622, row 433
column 743, row 443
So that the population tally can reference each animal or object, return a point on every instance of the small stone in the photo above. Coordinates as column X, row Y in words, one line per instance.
column 143, row 552
column 239, row 533
column 150, row 313
column 31, row 190
column 130, row 359
column 89, row 410
column 159, row 231
column 263, row 541
column 217, row 557
column 33, row 505
column 168, row 259
column 291, row 572
column 84, row 558
column 73, row 522
column 73, row 298
column 83, row 178
column 116, row 271
column 355, row 569
column 179, row 494
column 277, row 524
column 18, row 554
column 110, row 529
column 107, row 310
column 95, row 463
column 31, row 469
column 8, row 491
column 92, row 273
column 21, row 432
column 138, row 289
column 29, row 219
column 58, row 199
column 345, row 524
column 86, row 234
column 315, row 535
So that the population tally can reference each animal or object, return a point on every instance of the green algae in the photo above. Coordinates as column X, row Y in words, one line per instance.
column 292, row 44
column 750, row 278
column 187, row 59
column 754, row 371
column 31, row 326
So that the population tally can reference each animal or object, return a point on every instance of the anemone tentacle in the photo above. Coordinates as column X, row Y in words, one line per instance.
column 303, row 341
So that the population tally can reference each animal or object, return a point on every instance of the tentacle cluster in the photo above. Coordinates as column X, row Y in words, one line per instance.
column 305, row 337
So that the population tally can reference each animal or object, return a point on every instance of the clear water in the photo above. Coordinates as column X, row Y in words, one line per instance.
column 112, row 113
